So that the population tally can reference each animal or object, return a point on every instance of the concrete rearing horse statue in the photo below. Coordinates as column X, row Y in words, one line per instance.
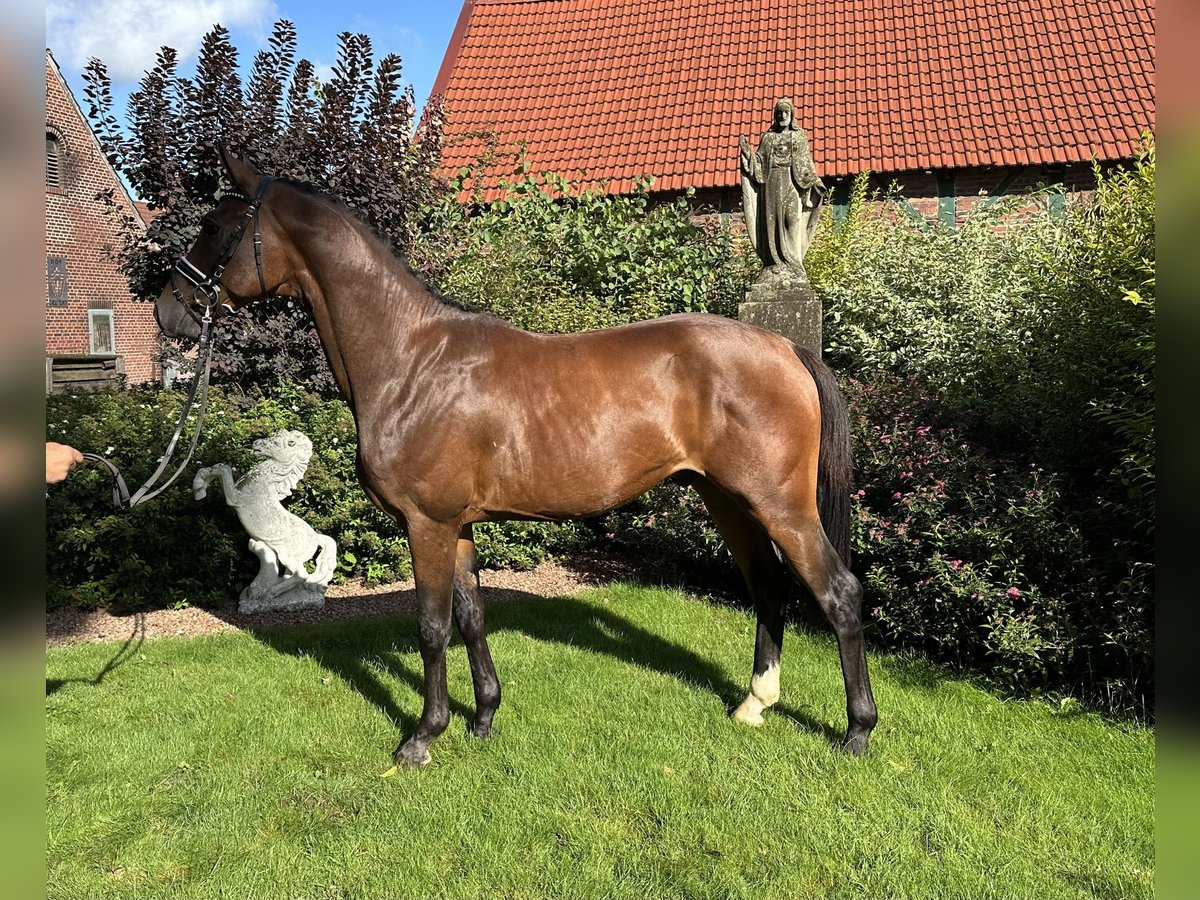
column 464, row 418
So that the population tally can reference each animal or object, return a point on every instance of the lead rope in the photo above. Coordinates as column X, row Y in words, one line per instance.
column 121, row 496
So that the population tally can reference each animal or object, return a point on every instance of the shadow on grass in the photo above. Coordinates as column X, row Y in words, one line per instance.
column 132, row 644
column 363, row 653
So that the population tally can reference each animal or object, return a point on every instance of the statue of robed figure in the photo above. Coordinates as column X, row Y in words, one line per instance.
column 782, row 195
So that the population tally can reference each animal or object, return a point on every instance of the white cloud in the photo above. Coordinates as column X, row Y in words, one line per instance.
column 127, row 34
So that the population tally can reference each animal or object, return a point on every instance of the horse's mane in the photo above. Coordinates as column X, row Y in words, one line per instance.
column 337, row 203
column 280, row 473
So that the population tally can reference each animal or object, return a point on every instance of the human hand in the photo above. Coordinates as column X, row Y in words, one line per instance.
column 59, row 460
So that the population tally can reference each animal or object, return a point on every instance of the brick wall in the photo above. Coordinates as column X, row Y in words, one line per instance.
column 78, row 231
column 928, row 194
column 957, row 192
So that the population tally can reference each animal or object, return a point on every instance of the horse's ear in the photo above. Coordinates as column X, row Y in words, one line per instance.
column 241, row 171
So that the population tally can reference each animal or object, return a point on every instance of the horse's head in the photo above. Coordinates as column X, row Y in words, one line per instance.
column 233, row 261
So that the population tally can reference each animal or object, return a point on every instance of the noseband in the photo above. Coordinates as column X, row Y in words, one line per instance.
column 207, row 295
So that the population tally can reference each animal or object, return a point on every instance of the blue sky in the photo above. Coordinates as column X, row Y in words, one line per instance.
column 126, row 34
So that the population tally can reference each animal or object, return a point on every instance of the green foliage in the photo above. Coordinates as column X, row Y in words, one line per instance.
column 175, row 549
column 670, row 527
column 555, row 256
column 986, row 561
column 525, row 545
column 1036, row 327
column 352, row 136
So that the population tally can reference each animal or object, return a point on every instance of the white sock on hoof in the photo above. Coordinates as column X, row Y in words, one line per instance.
column 764, row 691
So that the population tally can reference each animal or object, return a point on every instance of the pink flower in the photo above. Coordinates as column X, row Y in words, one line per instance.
column 897, row 495
column 956, row 564
column 1013, row 592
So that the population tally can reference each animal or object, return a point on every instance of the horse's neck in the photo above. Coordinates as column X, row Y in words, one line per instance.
column 367, row 308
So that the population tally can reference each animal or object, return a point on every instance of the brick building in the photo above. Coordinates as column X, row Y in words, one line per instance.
column 95, row 329
column 949, row 99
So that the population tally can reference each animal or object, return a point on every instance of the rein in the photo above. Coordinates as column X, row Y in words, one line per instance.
column 207, row 293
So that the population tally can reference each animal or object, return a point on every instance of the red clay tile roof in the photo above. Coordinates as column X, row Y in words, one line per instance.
column 623, row 88
column 148, row 215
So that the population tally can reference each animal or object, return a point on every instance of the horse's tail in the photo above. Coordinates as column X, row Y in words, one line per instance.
column 835, row 464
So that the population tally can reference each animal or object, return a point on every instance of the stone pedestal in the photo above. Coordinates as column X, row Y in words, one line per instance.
column 303, row 595
column 782, row 300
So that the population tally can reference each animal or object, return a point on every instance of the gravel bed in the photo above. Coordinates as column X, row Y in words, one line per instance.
column 352, row 600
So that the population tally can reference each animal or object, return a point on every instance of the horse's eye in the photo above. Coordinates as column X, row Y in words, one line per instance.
column 208, row 227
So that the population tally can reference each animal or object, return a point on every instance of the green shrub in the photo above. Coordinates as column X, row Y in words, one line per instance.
column 987, row 561
column 1034, row 326
column 670, row 527
column 553, row 256
column 173, row 549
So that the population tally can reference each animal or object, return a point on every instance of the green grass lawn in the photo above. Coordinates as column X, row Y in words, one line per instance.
column 249, row 766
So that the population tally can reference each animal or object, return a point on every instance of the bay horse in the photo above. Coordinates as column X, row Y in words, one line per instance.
column 464, row 418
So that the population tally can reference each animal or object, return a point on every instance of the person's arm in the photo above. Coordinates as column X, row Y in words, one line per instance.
column 59, row 460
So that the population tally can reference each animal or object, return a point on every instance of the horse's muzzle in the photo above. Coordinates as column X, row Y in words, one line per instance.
column 173, row 318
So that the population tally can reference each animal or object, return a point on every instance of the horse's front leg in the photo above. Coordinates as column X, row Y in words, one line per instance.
column 268, row 568
column 433, row 546
column 207, row 475
column 200, row 483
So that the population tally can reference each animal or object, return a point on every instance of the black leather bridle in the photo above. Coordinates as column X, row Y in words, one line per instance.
column 207, row 288
column 206, row 294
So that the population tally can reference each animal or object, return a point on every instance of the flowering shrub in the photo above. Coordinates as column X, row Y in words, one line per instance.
column 986, row 561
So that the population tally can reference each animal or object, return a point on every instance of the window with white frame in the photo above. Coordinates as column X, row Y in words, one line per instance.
column 100, row 327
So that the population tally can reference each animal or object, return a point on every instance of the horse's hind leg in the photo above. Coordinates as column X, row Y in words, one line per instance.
column 769, row 584
column 468, row 615
column 839, row 595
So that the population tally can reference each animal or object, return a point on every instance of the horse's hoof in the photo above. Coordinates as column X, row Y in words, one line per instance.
column 480, row 731
column 411, row 756
column 749, row 713
column 856, row 744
